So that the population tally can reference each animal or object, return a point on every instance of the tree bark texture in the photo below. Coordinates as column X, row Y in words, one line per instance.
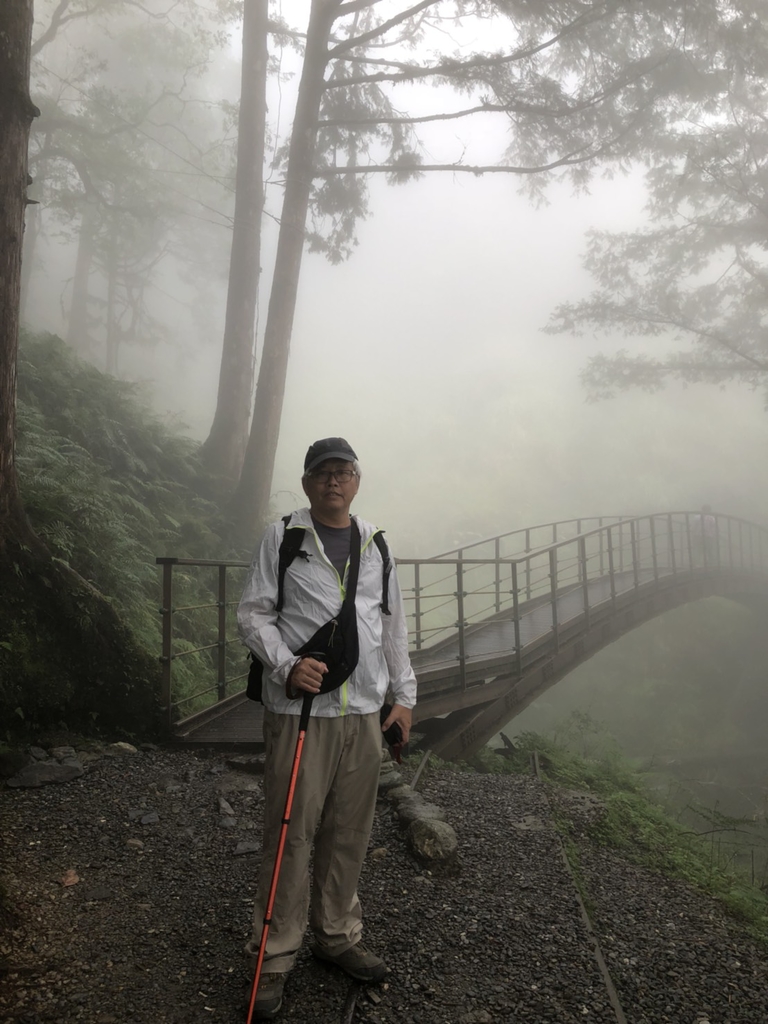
column 77, row 327
column 224, row 449
column 251, row 504
column 113, row 328
column 32, row 227
column 16, row 114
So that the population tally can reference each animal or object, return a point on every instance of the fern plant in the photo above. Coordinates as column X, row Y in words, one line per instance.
column 109, row 486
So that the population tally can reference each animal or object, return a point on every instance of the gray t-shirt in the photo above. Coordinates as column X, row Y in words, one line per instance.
column 335, row 540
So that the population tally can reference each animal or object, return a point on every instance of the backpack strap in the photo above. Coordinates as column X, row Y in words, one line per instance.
column 354, row 562
column 290, row 546
column 381, row 544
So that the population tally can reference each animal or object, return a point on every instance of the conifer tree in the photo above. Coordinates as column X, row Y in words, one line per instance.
column 571, row 85
column 697, row 276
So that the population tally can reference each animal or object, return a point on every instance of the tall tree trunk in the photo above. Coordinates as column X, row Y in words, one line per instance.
column 251, row 503
column 224, row 449
column 77, row 327
column 31, row 235
column 16, row 114
column 112, row 325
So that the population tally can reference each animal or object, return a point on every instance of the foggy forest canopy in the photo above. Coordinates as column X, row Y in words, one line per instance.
column 130, row 254
column 350, row 217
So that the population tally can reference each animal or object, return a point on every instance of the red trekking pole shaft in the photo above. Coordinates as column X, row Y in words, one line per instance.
column 303, row 723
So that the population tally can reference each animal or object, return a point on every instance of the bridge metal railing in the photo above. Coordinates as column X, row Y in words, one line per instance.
column 199, row 598
column 531, row 538
column 446, row 596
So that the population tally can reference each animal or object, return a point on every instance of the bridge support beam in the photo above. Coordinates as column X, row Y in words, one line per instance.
column 580, row 643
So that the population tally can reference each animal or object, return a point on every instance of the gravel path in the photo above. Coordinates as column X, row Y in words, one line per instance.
column 152, row 927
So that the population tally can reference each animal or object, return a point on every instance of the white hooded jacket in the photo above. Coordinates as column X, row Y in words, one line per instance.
column 312, row 594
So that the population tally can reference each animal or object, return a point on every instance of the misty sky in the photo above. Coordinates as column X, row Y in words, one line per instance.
column 425, row 350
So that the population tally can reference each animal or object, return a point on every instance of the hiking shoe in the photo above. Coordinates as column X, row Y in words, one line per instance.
column 357, row 961
column 269, row 997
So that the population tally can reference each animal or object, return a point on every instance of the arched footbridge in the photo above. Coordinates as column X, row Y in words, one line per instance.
column 492, row 624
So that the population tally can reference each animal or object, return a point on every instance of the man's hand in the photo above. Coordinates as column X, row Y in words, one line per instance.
column 307, row 675
column 403, row 717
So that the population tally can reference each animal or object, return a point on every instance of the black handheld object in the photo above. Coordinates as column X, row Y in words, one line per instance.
column 393, row 734
column 335, row 642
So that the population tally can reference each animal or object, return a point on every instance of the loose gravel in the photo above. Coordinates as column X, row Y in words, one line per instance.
column 133, row 903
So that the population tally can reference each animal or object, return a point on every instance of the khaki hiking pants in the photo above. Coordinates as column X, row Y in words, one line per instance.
column 333, row 805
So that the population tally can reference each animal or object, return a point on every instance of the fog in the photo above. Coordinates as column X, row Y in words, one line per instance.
column 426, row 351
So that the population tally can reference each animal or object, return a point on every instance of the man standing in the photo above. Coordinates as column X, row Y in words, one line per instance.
column 336, row 790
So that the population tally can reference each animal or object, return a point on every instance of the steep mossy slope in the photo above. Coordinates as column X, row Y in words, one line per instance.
column 107, row 486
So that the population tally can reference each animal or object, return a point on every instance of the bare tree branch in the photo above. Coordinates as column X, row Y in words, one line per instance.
column 58, row 18
column 355, row 5
column 512, row 107
column 578, row 156
column 380, row 30
column 450, row 66
column 77, row 162
column 636, row 314
column 702, row 332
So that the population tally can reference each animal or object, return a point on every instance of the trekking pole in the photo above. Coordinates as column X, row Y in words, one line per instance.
column 303, row 723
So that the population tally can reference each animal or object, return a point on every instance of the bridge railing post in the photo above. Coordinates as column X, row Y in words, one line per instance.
column 460, row 622
column 516, row 615
column 166, row 657
column 611, row 574
column 584, row 580
column 600, row 541
column 730, row 542
column 671, row 544
column 621, row 546
column 654, row 553
column 527, row 566
column 221, row 652
column 689, row 540
column 633, row 544
column 553, row 596
column 497, row 555
column 417, row 603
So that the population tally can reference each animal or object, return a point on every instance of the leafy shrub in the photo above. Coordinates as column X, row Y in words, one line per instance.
column 108, row 486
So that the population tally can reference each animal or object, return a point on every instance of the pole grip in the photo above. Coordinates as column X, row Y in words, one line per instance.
column 306, row 708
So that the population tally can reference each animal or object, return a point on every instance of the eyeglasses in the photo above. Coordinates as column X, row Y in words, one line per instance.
column 323, row 476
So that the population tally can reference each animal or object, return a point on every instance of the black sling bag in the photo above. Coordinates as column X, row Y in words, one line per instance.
column 336, row 641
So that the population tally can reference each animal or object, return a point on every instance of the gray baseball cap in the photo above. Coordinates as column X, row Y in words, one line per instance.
column 328, row 448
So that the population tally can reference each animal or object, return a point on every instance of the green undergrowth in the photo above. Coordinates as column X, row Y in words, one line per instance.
column 632, row 822
column 108, row 486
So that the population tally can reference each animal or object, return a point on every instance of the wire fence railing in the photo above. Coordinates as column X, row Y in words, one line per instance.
column 202, row 660
column 448, row 595
column 535, row 578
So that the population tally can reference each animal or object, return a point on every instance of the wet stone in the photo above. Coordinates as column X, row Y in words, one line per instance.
column 62, row 753
column 244, row 848
column 44, row 773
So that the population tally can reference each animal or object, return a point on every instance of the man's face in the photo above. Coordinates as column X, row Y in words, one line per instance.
column 331, row 487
